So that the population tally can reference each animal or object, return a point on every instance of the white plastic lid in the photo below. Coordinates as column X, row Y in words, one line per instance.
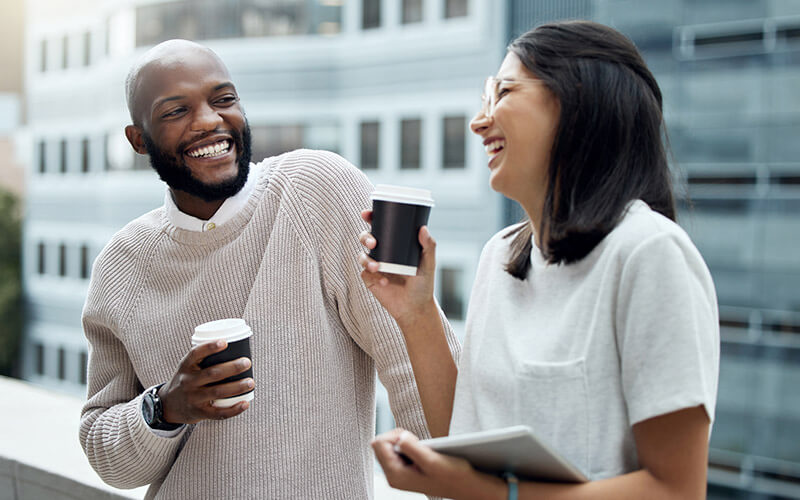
column 402, row 194
column 230, row 329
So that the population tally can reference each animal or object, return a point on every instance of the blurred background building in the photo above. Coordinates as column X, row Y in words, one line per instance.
column 391, row 85
column 11, row 94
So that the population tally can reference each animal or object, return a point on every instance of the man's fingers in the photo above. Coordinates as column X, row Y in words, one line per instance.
column 202, row 351
column 229, row 389
column 221, row 371
column 223, row 413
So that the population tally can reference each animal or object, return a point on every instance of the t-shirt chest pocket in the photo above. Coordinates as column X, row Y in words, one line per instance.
column 552, row 398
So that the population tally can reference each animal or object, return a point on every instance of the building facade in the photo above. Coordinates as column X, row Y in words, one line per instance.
column 391, row 85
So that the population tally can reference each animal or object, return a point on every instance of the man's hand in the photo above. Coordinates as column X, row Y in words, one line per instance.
column 186, row 398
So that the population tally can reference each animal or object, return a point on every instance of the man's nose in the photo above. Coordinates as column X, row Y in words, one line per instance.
column 205, row 118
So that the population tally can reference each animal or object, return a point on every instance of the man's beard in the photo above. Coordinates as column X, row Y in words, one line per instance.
column 173, row 170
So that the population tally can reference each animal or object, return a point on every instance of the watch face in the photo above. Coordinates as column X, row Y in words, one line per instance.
column 148, row 408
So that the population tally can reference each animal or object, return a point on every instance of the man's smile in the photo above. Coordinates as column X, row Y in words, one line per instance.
column 212, row 150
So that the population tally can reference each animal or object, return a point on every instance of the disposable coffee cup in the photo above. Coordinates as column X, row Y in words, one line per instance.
column 236, row 332
column 398, row 213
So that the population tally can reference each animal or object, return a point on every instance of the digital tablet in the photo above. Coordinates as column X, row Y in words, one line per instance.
column 510, row 449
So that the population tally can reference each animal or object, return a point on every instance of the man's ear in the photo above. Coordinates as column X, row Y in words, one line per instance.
column 134, row 135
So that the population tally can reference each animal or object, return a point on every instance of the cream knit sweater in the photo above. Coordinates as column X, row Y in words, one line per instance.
column 287, row 263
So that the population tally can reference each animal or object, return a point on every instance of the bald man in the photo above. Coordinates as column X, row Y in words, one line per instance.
column 275, row 243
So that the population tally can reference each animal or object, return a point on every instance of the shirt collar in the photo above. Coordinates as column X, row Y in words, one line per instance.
column 227, row 211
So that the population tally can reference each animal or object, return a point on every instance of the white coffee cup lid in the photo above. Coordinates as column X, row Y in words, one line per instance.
column 402, row 194
column 230, row 329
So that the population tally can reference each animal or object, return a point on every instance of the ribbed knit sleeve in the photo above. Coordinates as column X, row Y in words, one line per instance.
column 113, row 434
column 334, row 193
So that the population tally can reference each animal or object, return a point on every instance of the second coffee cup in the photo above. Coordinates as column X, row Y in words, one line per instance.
column 398, row 213
column 237, row 334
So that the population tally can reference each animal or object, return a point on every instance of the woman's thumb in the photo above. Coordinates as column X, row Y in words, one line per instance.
column 427, row 262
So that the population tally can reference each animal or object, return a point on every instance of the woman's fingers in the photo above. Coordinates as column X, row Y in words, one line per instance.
column 392, row 436
column 421, row 455
column 367, row 216
column 367, row 240
column 427, row 262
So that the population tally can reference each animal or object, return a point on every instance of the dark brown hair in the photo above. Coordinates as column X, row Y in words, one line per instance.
column 610, row 144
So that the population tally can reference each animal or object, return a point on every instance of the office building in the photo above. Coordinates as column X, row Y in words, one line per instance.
column 390, row 85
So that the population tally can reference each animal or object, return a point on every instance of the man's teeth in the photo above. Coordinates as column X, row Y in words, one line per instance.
column 211, row 150
column 494, row 147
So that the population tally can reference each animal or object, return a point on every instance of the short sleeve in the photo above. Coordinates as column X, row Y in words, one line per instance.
column 667, row 329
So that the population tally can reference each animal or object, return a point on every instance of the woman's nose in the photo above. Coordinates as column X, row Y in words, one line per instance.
column 479, row 122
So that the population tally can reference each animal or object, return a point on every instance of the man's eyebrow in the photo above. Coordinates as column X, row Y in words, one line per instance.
column 224, row 85
column 167, row 99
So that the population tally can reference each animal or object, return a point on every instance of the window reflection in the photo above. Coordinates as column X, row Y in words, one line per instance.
column 370, row 144
column 410, row 141
column 454, row 148
column 451, row 294
column 212, row 19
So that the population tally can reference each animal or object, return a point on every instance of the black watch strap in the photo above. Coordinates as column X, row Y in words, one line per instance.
column 153, row 411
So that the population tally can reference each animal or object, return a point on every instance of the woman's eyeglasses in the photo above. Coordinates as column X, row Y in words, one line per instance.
column 491, row 92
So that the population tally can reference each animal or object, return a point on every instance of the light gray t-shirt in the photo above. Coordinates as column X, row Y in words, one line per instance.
column 581, row 352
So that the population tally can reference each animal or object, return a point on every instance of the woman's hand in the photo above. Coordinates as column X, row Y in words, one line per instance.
column 430, row 472
column 409, row 300
column 405, row 297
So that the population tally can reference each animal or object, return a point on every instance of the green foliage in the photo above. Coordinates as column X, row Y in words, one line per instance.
column 11, row 305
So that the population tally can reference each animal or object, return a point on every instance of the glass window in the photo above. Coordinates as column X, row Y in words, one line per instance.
column 454, row 150
column 106, row 153
column 410, row 138
column 41, row 258
column 62, row 372
column 412, row 11
column 38, row 353
column 370, row 145
column 212, row 19
column 83, row 367
column 85, row 264
column 370, row 14
column 85, row 155
column 87, row 48
column 65, row 52
column 456, row 8
column 43, row 55
column 272, row 140
column 451, row 297
column 62, row 260
column 62, row 148
column 42, row 157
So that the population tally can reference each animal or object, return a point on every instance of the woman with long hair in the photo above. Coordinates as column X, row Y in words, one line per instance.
column 595, row 320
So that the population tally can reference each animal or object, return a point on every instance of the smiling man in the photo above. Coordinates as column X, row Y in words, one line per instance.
column 275, row 243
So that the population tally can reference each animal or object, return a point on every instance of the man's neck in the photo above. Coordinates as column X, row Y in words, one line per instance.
column 194, row 206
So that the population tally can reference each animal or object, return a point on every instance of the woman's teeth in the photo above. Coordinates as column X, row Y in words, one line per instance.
column 494, row 147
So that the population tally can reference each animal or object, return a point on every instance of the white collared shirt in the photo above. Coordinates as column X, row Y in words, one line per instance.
column 224, row 213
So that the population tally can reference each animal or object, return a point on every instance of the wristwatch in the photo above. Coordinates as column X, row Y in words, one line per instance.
column 153, row 412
